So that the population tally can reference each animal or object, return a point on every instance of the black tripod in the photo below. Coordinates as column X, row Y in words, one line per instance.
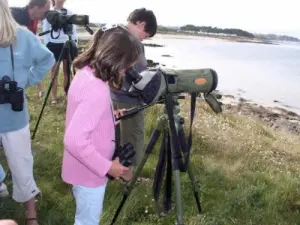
column 174, row 148
column 68, row 50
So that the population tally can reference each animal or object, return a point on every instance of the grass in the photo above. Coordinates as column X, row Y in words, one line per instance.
column 248, row 173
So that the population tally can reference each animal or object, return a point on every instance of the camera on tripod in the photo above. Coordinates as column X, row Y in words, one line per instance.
column 12, row 94
column 65, row 22
column 62, row 21
column 125, row 154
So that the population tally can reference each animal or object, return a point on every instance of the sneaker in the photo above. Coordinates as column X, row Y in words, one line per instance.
column 3, row 191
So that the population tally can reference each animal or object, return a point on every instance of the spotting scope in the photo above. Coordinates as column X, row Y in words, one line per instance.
column 151, row 84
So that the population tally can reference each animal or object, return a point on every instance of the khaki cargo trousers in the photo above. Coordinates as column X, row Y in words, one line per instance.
column 131, row 130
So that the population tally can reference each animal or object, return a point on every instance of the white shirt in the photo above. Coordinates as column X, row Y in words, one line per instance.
column 62, row 37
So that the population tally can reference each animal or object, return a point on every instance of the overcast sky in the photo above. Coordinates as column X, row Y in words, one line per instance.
column 276, row 16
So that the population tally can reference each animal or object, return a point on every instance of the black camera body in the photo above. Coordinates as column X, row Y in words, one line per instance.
column 10, row 93
column 65, row 22
column 125, row 154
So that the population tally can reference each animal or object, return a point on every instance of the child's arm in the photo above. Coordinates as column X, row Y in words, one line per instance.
column 77, row 138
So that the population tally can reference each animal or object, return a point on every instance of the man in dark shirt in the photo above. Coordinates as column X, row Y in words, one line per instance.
column 29, row 17
column 142, row 24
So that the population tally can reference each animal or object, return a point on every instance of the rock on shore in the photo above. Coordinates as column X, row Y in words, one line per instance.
column 274, row 117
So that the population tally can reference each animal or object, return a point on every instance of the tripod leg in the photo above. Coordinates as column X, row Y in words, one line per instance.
column 196, row 191
column 49, row 90
column 178, row 194
column 195, row 188
column 154, row 137
column 179, row 209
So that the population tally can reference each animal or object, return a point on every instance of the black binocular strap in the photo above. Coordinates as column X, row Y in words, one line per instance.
column 192, row 116
column 12, row 61
column 186, row 146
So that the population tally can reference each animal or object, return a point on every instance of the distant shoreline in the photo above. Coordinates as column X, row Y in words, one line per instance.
column 176, row 35
column 84, row 36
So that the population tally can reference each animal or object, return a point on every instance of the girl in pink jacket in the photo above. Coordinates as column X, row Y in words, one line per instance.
column 90, row 124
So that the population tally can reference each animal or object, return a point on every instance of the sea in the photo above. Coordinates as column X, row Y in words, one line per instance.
column 265, row 74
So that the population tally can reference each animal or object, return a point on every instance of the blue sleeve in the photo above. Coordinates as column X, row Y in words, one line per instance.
column 42, row 60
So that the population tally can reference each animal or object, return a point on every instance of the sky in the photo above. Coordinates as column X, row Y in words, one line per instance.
column 259, row 16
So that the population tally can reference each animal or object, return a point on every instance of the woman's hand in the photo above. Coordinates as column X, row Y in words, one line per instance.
column 117, row 113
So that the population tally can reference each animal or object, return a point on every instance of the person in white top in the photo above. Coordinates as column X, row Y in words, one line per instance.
column 55, row 41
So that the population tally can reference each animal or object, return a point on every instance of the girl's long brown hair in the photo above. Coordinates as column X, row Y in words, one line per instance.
column 110, row 52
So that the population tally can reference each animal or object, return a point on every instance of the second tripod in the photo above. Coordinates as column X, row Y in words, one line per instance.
column 174, row 148
column 67, row 51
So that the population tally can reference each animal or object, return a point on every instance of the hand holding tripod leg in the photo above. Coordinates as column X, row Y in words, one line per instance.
column 129, row 187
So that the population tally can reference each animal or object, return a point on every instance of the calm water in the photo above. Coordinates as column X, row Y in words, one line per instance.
column 262, row 73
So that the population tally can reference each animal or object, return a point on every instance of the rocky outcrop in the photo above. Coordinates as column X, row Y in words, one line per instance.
column 274, row 117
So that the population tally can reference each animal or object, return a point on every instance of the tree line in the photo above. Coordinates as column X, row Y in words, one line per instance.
column 216, row 30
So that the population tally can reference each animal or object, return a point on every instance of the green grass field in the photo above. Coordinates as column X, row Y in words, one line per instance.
column 248, row 174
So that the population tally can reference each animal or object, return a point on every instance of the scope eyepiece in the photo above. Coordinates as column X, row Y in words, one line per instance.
column 133, row 75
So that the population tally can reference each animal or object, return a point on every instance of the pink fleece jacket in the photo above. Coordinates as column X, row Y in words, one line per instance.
column 90, row 131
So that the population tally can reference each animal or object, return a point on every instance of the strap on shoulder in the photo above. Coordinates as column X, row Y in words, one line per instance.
column 12, row 60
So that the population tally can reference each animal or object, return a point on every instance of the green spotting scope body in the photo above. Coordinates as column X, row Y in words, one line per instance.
column 155, row 83
column 191, row 81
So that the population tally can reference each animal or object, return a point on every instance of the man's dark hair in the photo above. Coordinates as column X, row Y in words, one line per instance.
column 39, row 3
column 147, row 16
